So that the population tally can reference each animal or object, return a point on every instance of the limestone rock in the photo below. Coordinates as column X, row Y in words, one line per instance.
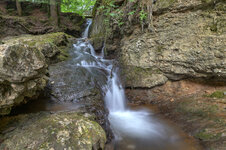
column 23, row 66
column 187, row 41
column 65, row 130
column 184, row 45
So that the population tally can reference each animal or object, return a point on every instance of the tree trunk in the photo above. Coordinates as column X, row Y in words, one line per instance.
column 59, row 10
column 19, row 9
column 53, row 11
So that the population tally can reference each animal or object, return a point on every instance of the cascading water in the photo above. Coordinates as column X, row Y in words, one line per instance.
column 138, row 129
column 86, row 32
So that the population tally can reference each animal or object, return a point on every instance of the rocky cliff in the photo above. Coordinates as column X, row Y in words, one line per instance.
column 23, row 66
column 187, row 41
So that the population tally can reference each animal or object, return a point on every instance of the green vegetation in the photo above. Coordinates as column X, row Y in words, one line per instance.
column 81, row 7
column 217, row 94
column 204, row 135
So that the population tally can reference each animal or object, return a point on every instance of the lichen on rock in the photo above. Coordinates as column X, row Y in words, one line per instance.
column 64, row 130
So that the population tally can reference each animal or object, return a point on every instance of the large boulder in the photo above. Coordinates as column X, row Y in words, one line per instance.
column 64, row 130
column 23, row 66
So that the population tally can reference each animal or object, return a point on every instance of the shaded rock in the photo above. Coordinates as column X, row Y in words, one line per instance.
column 23, row 66
column 65, row 130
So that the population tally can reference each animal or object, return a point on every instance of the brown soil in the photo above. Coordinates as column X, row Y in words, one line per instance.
column 197, row 107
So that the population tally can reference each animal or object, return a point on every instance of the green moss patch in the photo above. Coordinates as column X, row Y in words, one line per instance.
column 206, row 136
column 217, row 94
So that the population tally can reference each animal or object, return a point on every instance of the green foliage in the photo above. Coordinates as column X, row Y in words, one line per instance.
column 81, row 7
column 143, row 15
column 132, row 12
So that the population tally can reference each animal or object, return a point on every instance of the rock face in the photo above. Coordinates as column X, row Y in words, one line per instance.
column 65, row 130
column 23, row 66
column 188, row 41
column 190, row 44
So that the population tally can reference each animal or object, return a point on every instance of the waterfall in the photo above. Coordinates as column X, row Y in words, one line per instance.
column 86, row 32
column 115, row 97
column 125, row 123
column 122, row 119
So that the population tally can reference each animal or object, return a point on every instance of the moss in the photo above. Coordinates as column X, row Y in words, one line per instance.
column 206, row 136
column 64, row 55
column 217, row 94
column 57, row 131
column 206, row 1
column 195, row 109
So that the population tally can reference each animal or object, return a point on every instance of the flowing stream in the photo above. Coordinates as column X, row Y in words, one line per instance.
column 133, row 129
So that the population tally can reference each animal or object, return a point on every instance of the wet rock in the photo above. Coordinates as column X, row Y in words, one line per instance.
column 80, row 85
column 64, row 130
column 23, row 66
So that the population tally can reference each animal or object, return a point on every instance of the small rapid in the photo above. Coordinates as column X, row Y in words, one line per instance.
column 133, row 129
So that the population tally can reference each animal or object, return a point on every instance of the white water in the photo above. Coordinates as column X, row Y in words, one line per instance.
column 125, row 123
column 86, row 32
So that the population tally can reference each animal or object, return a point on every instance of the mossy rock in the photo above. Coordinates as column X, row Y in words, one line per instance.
column 52, row 45
column 65, row 130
